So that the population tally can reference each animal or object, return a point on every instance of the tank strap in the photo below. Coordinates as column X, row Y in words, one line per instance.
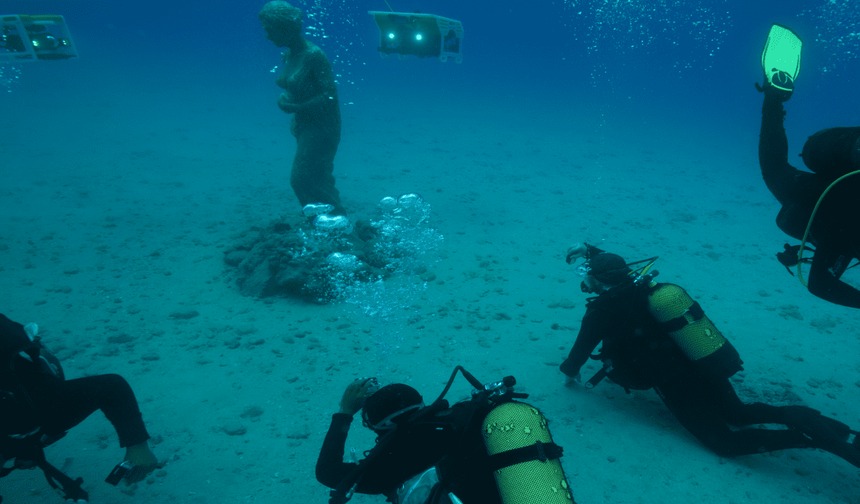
column 538, row 451
column 695, row 312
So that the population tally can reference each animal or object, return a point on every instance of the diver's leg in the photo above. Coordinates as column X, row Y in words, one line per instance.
column 702, row 413
column 824, row 277
column 808, row 428
column 738, row 413
column 62, row 405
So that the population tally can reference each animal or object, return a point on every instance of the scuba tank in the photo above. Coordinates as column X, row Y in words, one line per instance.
column 525, row 460
column 692, row 331
column 682, row 319
column 833, row 152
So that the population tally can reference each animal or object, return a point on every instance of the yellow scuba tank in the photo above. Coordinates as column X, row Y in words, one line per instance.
column 526, row 463
column 692, row 331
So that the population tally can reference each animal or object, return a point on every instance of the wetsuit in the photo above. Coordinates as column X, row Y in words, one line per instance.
column 56, row 405
column 835, row 232
column 449, row 440
column 643, row 356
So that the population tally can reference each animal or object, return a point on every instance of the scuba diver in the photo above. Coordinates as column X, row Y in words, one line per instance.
column 39, row 405
column 654, row 335
column 441, row 453
column 819, row 207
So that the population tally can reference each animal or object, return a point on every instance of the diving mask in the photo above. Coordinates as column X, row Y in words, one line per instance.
column 388, row 423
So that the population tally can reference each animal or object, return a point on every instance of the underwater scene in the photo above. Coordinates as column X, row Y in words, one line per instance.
column 322, row 251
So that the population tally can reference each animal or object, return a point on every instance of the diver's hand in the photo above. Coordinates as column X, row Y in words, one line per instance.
column 355, row 394
column 286, row 105
column 773, row 92
column 575, row 252
column 572, row 381
column 142, row 460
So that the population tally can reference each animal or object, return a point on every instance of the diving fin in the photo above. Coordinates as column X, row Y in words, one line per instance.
column 780, row 58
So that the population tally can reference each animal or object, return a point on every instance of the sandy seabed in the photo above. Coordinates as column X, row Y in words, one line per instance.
column 115, row 219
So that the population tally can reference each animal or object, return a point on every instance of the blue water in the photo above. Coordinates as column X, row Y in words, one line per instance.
column 665, row 53
column 129, row 168
column 687, row 61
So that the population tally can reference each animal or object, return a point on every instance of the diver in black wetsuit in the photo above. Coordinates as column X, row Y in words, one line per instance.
column 38, row 405
column 405, row 455
column 835, row 228
column 654, row 335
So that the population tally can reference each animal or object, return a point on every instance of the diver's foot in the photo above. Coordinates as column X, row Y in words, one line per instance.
column 821, row 429
column 849, row 452
column 825, row 433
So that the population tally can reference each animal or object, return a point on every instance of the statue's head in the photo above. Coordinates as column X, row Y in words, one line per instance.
column 282, row 22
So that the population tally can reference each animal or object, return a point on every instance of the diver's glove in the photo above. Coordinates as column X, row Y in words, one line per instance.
column 575, row 252
column 578, row 250
column 572, row 381
column 782, row 92
column 790, row 257
column 356, row 393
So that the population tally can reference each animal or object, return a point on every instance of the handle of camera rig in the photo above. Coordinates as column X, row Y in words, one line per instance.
column 502, row 388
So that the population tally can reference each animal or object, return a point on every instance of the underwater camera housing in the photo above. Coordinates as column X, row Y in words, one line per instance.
column 422, row 35
column 37, row 37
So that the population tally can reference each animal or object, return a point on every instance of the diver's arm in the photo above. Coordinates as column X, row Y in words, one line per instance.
column 587, row 340
column 13, row 338
column 331, row 468
column 826, row 285
column 778, row 174
column 378, row 477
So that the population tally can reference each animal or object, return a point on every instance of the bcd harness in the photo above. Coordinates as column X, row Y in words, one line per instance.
column 27, row 450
